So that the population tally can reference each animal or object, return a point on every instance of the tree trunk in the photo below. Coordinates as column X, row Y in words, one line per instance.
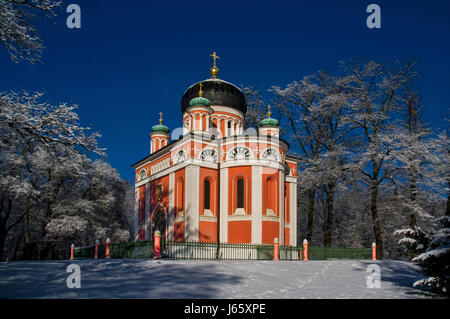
column 376, row 219
column 447, row 211
column 413, row 195
column 2, row 244
column 330, row 215
column 4, row 215
column 16, row 248
column 311, row 196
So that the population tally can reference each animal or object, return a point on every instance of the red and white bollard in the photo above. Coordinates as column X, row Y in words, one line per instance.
column 305, row 250
column 374, row 251
column 157, row 244
column 72, row 246
column 96, row 249
column 108, row 241
column 275, row 249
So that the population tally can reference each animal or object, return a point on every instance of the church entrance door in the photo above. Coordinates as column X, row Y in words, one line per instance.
column 160, row 223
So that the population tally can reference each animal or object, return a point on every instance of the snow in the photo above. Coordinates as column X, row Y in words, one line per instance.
column 125, row 278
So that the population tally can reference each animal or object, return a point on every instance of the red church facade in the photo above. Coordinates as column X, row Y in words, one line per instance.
column 210, row 180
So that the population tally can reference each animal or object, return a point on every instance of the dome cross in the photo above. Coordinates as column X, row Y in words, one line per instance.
column 214, row 69
column 214, row 56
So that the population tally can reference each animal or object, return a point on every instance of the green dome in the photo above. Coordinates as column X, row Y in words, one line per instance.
column 268, row 121
column 160, row 129
column 199, row 101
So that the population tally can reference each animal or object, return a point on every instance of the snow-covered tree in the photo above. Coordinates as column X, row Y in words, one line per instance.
column 17, row 33
column 435, row 261
column 316, row 110
column 413, row 239
column 256, row 107
column 376, row 90
column 51, row 192
column 425, row 159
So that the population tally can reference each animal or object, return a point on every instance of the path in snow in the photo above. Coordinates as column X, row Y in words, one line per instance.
column 122, row 278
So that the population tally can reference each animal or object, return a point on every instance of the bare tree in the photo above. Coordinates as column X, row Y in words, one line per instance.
column 316, row 109
column 376, row 89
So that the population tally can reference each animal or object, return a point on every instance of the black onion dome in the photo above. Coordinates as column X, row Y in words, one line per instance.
column 219, row 92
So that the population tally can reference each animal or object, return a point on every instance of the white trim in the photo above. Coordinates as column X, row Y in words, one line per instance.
column 226, row 109
column 226, row 164
column 192, row 203
column 256, row 205
column 291, row 179
column 235, row 218
column 207, row 212
column 240, row 211
column 171, row 205
column 266, row 218
column 194, row 108
column 281, row 206
column 240, row 139
column 147, row 209
column 208, row 218
column 293, row 213
column 177, row 167
column 223, row 205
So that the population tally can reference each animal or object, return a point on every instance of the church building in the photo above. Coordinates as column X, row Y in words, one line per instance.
column 210, row 180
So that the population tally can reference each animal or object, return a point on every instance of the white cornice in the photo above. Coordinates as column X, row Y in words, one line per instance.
column 291, row 179
column 227, row 109
column 267, row 218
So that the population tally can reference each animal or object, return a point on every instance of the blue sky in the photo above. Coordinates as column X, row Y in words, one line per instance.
column 132, row 59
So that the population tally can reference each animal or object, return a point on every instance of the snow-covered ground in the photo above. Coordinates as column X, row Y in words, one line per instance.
column 208, row 279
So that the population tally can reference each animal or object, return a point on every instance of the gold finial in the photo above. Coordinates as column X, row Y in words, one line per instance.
column 160, row 118
column 214, row 69
column 200, row 93
column 268, row 111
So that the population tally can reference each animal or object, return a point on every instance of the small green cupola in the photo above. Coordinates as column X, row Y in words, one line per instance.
column 200, row 100
column 160, row 128
column 268, row 121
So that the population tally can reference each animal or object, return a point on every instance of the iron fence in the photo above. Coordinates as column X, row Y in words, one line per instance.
column 323, row 253
column 212, row 251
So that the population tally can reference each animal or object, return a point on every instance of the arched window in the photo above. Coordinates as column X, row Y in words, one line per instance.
column 142, row 174
column 270, row 154
column 271, row 196
column 180, row 197
column 239, row 153
column 180, row 157
column 209, row 155
column 240, row 188
column 207, row 194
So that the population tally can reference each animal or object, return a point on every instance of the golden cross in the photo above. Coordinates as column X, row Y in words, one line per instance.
column 214, row 56
column 200, row 93
column 268, row 111
column 160, row 117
